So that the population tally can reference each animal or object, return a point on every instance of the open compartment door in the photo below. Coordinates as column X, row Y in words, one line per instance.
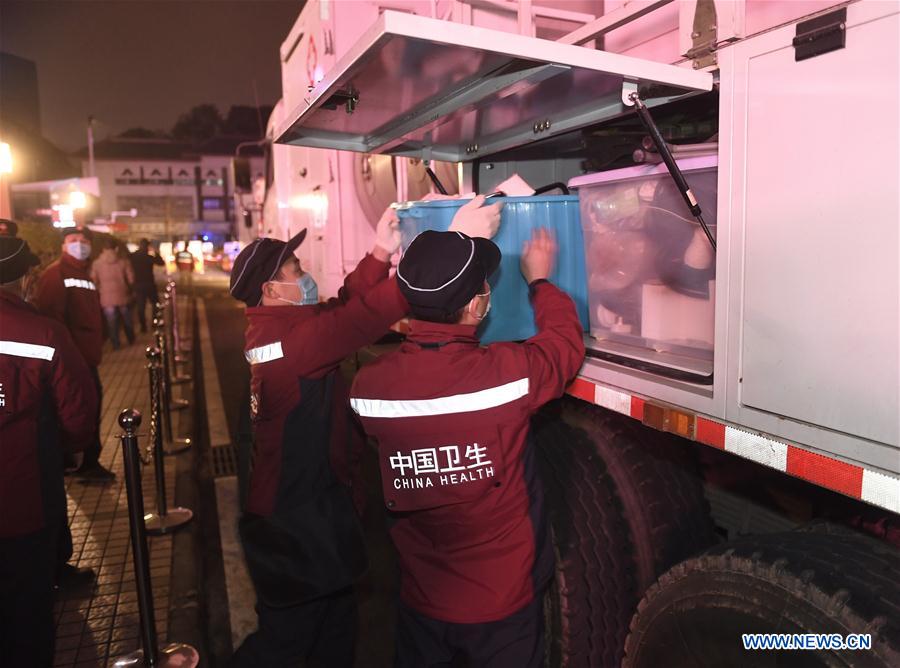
column 417, row 86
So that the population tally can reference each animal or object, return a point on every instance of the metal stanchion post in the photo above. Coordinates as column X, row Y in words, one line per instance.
column 174, row 445
column 165, row 519
column 170, row 352
column 176, row 654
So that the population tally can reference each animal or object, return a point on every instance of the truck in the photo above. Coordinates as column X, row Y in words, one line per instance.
column 727, row 462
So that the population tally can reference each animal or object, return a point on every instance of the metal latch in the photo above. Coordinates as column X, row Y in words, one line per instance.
column 704, row 35
column 821, row 35
column 347, row 98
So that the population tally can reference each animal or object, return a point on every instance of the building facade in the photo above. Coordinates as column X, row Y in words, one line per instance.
column 174, row 191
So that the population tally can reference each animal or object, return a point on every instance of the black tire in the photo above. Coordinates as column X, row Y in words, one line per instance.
column 825, row 580
column 657, row 484
column 592, row 596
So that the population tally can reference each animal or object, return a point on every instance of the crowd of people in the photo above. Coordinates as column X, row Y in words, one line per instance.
column 51, row 344
column 449, row 416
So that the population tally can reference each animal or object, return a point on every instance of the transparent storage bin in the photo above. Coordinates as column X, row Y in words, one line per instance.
column 511, row 317
column 651, row 271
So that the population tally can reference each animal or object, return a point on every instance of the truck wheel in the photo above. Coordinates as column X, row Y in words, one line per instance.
column 592, row 597
column 657, row 484
column 826, row 580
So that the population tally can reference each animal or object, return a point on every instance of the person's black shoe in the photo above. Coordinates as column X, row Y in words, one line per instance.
column 95, row 473
column 72, row 577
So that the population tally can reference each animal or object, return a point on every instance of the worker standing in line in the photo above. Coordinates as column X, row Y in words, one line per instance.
column 47, row 403
column 66, row 293
column 451, row 419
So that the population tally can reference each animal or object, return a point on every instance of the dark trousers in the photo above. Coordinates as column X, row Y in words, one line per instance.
column 27, row 570
column 318, row 634
column 144, row 294
column 517, row 640
column 114, row 315
column 92, row 452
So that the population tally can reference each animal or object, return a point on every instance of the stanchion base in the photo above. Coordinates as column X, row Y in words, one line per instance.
column 176, row 445
column 178, row 404
column 176, row 655
column 180, row 380
column 161, row 524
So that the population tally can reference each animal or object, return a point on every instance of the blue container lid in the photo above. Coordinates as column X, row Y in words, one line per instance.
column 406, row 207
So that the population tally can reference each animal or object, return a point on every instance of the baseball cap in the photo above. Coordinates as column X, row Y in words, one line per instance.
column 16, row 258
column 66, row 231
column 8, row 228
column 440, row 272
column 258, row 263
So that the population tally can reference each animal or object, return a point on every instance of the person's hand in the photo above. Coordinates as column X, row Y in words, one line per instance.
column 538, row 255
column 475, row 220
column 387, row 235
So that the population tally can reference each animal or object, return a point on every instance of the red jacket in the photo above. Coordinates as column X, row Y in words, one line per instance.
column 47, row 398
column 452, row 419
column 287, row 344
column 66, row 293
column 301, row 535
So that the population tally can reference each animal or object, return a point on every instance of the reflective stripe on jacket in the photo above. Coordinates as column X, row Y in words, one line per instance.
column 66, row 293
column 452, row 419
column 47, row 402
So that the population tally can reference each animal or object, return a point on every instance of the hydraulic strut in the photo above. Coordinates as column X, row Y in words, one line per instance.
column 664, row 152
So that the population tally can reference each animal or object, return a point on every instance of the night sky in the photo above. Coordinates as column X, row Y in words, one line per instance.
column 141, row 63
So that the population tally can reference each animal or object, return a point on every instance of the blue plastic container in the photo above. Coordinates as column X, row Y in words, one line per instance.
column 511, row 317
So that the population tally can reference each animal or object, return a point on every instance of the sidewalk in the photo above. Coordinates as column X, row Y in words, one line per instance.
column 99, row 623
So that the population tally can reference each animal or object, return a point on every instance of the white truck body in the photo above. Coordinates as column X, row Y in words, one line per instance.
column 806, row 371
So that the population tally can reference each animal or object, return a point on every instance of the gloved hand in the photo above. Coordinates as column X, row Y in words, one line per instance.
column 387, row 232
column 476, row 220
column 538, row 255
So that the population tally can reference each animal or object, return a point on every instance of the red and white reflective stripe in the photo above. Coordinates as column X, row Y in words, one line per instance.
column 32, row 350
column 79, row 283
column 264, row 354
column 875, row 487
column 458, row 403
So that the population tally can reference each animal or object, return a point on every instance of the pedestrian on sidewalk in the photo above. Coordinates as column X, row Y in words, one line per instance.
column 66, row 293
column 451, row 419
column 184, row 261
column 114, row 277
column 300, row 531
column 142, row 263
column 47, row 404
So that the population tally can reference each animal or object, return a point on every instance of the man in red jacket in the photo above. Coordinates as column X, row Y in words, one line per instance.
column 47, row 401
column 451, row 419
column 66, row 293
column 299, row 528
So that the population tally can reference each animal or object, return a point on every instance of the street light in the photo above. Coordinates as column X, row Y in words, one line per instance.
column 117, row 214
column 6, row 164
column 77, row 199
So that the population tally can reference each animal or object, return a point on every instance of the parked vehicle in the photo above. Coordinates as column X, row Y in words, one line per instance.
column 730, row 450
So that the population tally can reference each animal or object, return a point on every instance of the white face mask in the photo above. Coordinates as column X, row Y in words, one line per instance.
column 80, row 250
column 486, row 311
